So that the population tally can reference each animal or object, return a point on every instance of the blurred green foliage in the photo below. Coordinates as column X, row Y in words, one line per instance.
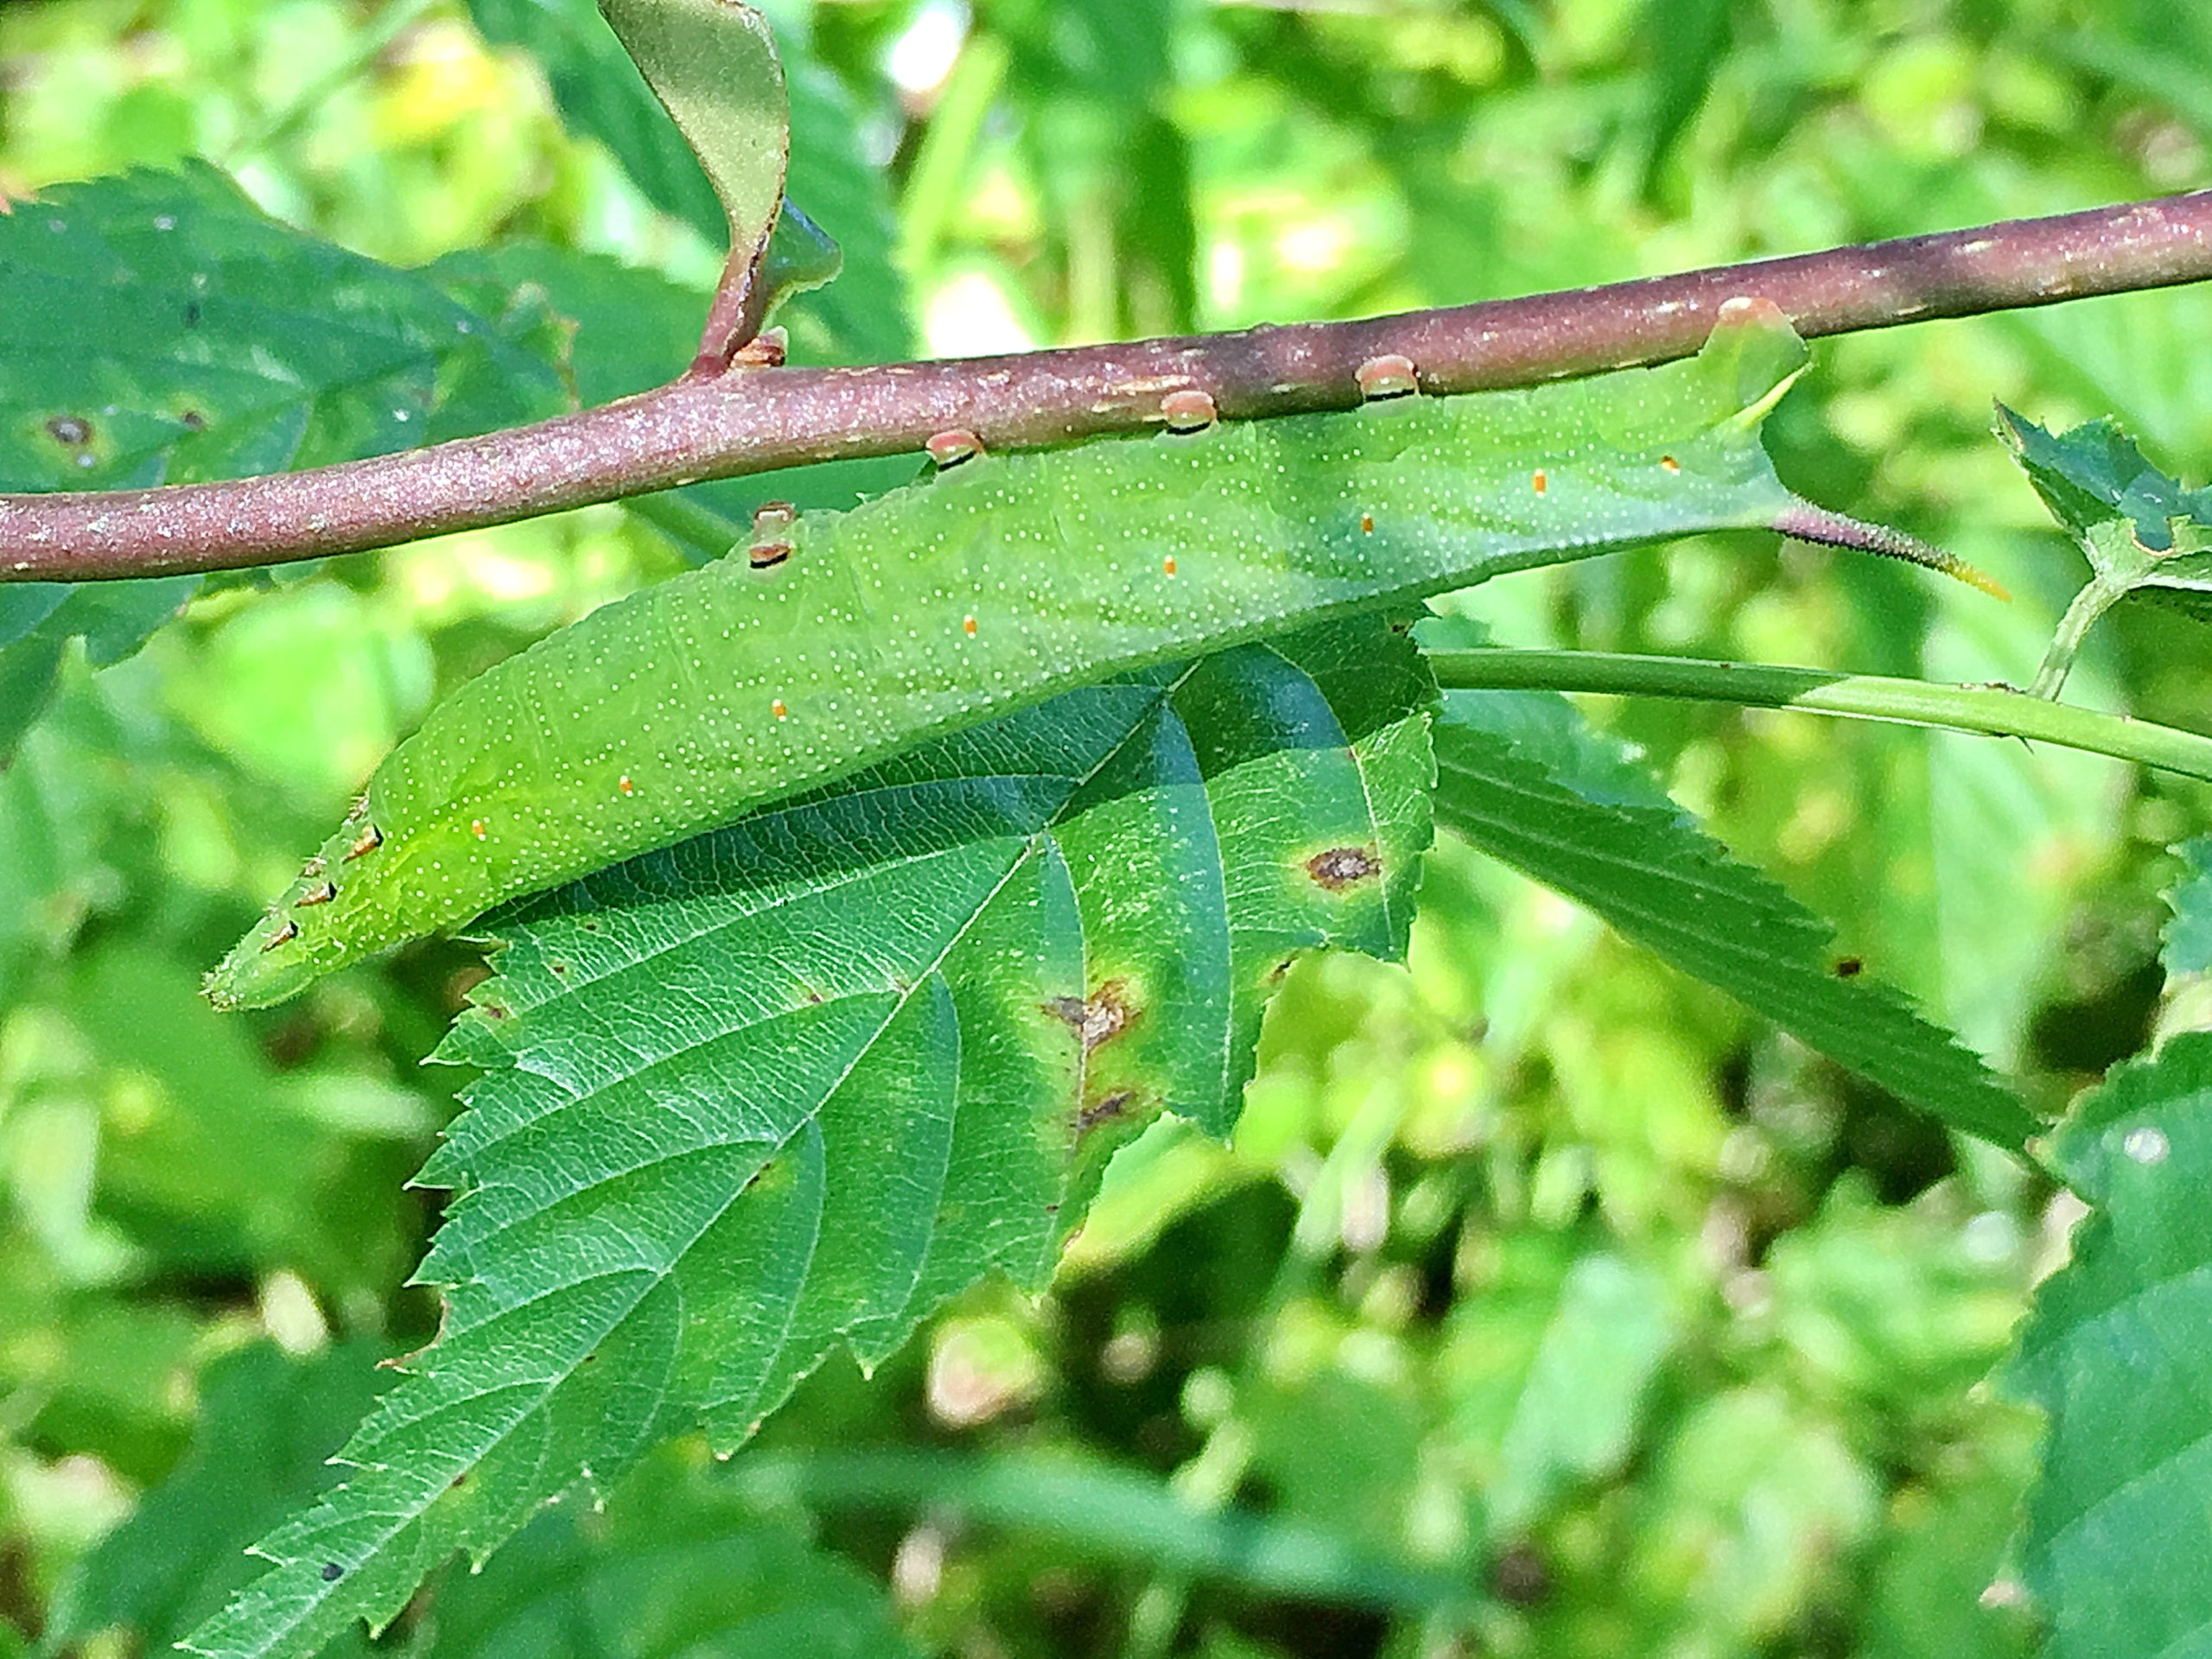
column 1540, row 1270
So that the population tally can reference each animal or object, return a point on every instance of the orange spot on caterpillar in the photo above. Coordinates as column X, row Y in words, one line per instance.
column 1188, row 410
column 369, row 840
column 1387, row 376
column 624, row 784
column 949, row 449
column 764, row 556
column 477, row 828
column 1540, row 482
column 1670, row 463
column 1367, row 524
column 322, row 893
column 1167, row 565
column 778, row 710
column 284, row 935
column 967, row 626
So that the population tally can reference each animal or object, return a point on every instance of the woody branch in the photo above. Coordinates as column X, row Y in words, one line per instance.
column 756, row 420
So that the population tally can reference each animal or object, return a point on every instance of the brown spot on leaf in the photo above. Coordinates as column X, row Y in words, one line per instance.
column 1105, row 1016
column 1849, row 968
column 1339, row 868
column 1105, row 1110
column 193, row 420
column 71, row 429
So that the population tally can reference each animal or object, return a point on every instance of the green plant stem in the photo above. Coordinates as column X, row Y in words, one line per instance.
column 2092, row 602
column 1994, row 711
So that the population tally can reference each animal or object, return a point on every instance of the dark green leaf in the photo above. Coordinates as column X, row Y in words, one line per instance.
column 162, row 330
column 2188, row 936
column 2141, row 530
column 1662, row 883
column 2093, row 472
column 2119, row 1351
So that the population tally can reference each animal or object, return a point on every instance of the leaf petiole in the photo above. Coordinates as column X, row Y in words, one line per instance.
column 1993, row 711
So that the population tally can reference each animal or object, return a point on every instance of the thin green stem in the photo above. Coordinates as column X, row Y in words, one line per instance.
column 1994, row 711
column 2092, row 602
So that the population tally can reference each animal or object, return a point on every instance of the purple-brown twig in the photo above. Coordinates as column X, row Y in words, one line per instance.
column 757, row 420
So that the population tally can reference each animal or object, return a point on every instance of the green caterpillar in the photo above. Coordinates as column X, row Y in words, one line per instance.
column 844, row 637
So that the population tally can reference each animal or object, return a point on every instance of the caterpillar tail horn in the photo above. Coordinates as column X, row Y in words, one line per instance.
column 1807, row 523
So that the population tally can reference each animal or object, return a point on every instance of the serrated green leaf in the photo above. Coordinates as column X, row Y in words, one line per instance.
column 1662, row 883
column 896, row 1028
column 2119, row 1352
column 2093, row 472
column 2140, row 528
column 163, row 330
column 267, row 1424
column 2187, row 937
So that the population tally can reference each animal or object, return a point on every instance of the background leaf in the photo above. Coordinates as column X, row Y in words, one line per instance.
column 165, row 331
